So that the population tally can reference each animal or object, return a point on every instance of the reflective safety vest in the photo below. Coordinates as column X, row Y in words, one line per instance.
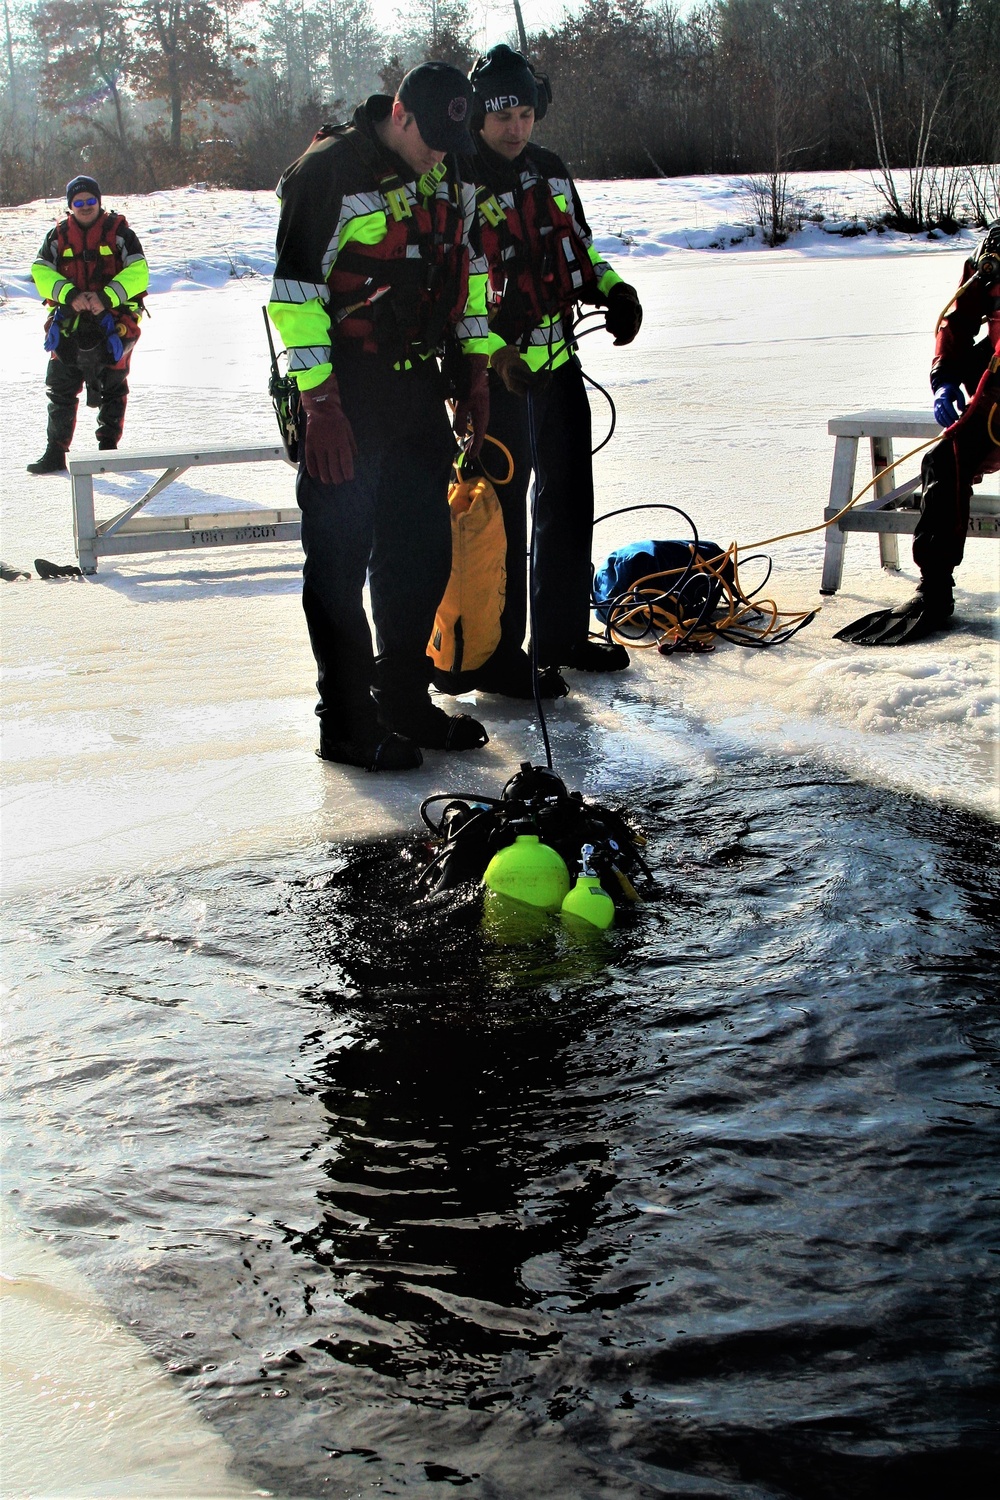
column 539, row 266
column 91, row 257
column 400, row 296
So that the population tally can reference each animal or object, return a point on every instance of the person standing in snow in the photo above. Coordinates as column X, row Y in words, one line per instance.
column 969, row 450
column 542, row 263
column 378, row 265
column 92, row 272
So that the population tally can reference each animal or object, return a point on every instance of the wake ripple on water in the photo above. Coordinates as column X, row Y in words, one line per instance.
column 706, row 1207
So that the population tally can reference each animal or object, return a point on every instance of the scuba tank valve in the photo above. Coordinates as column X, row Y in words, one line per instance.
column 588, row 901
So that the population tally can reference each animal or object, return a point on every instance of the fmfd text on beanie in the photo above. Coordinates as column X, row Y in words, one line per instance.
column 504, row 79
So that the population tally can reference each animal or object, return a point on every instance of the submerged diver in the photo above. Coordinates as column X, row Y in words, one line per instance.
column 969, row 450
column 542, row 263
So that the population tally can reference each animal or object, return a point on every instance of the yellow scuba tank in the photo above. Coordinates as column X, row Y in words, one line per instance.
column 529, row 871
column 588, row 901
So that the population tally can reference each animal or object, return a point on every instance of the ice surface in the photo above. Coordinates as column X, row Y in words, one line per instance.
column 161, row 711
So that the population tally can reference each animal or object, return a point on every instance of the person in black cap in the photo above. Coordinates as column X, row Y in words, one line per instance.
column 969, row 449
column 542, row 263
column 92, row 273
column 378, row 267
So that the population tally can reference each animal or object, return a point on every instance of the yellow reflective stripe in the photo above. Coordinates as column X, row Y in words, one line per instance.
column 48, row 281
column 310, row 379
column 366, row 229
column 607, row 278
column 541, row 357
column 302, row 325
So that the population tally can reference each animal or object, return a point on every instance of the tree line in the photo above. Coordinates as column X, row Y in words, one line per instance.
column 148, row 94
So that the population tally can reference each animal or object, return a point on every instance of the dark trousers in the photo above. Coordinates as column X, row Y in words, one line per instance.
column 107, row 389
column 968, row 450
column 391, row 522
column 564, row 509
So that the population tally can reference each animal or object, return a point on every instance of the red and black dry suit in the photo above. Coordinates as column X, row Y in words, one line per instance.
column 104, row 257
column 373, row 273
column 542, row 262
column 971, row 447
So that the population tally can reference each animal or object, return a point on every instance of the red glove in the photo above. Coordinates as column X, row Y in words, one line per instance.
column 330, row 446
column 473, row 409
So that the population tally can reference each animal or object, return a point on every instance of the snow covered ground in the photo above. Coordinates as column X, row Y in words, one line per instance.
column 162, row 709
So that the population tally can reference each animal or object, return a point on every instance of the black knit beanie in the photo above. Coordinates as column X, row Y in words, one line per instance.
column 504, row 79
column 82, row 185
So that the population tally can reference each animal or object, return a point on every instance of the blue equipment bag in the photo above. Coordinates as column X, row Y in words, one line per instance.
column 695, row 591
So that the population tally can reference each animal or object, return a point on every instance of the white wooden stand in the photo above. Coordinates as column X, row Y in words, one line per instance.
column 130, row 531
column 895, row 508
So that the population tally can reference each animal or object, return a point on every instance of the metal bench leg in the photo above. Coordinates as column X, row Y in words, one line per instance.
column 84, row 525
column 845, row 460
column 888, row 542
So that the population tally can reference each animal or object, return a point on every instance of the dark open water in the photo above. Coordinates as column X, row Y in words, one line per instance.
column 708, row 1208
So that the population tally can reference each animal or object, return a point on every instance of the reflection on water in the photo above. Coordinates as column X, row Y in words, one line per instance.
column 705, row 1207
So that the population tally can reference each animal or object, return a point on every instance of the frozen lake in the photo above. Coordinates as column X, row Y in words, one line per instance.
column 701, row 1215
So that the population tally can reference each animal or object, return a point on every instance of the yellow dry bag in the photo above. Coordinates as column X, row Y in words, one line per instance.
column 467, row 624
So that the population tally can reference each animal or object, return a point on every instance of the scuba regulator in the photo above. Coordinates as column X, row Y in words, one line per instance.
column 987, row 257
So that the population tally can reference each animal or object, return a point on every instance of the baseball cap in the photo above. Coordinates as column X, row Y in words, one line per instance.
column 440, row 99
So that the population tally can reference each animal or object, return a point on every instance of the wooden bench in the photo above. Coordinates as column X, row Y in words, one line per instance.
column 895, row 506
column 130, row 531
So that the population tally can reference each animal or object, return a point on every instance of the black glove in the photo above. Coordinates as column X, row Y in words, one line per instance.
column 623, row 318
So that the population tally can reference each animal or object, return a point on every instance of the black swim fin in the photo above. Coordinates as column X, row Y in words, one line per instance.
column 46, row 569
column 913, row 621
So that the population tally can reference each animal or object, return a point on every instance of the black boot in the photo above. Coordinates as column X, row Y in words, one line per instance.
column 510, row 676
column 432, row 728
column 52, row 461
column 393, row 752
column 596, row 656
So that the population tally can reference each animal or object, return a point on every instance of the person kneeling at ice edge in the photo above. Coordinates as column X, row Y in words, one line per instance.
column 377, row 265
column 969, row 449
column 542, row 263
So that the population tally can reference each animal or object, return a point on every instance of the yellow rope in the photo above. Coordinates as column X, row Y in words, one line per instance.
column 742, row 613
column 951, row 302
column 507, row 455
column 822, row 525
column 643, row 603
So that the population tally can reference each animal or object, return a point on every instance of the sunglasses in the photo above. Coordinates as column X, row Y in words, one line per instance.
column 84, row 202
